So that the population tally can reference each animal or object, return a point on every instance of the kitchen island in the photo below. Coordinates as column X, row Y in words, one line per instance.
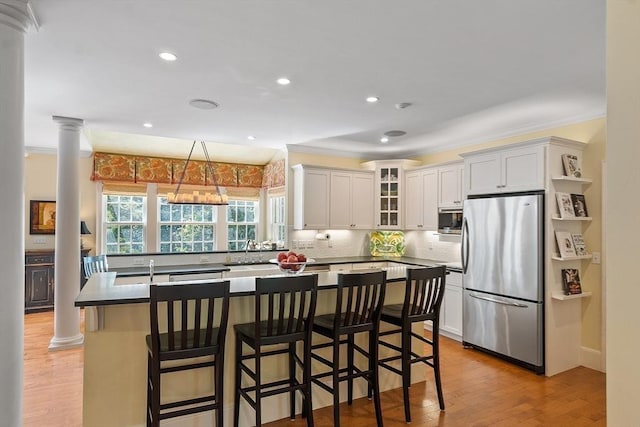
column 117, row 320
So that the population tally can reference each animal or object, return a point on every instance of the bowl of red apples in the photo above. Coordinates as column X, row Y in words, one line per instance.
column 291, row 262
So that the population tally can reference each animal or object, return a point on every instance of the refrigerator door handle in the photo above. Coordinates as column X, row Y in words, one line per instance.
column 497, row 301
column 464, row 247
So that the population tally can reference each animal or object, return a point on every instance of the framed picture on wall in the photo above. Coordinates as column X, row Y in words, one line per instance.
column 42, row 217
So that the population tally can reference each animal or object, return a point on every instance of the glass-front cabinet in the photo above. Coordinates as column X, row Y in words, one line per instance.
column 389, row 197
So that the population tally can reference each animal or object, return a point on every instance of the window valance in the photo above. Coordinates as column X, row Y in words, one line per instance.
column 142, row 169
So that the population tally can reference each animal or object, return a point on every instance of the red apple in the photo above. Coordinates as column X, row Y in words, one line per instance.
column 282, row 256
column 292, row 258
column 302, row 258
column 291, row 253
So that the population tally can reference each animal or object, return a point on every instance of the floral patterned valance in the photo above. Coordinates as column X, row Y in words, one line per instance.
column 139, row 169
column 273, row 174
column 114, row 167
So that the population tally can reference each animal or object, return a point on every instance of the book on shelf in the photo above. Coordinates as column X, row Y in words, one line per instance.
column 572, row 165
column 578, row 244
column 579, row 205
column 565, row 205
column 565, row 244
column 571, row 281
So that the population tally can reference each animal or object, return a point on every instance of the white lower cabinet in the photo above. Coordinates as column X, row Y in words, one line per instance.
column 451, row 309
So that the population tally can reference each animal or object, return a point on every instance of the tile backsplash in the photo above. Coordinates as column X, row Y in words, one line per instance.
column 419, row 244
column 431, row 245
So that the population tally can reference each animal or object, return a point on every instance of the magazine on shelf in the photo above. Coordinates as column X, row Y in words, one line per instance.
column 565, row 244
column 579, row 205
column 565, row 205
column 578, row 244
column 572, row 165
column 571, row 281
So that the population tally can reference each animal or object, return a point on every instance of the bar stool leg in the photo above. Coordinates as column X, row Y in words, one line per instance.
column 238, row 384
column 350, row 352
column 336, row 382
column 149, row 390
column 292, row 376
column 406, row 368
column 436, row 362
column 373, row 357
column 307, row 405
column 219, row 388
column 258, row 388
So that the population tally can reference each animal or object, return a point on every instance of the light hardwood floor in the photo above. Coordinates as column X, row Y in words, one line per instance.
column 479, row 390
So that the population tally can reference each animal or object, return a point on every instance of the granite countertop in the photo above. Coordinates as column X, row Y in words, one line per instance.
column 169, row 269
column 101, row 289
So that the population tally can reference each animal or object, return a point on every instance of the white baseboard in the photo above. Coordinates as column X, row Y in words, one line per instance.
column 444, row 333
column 591, row 358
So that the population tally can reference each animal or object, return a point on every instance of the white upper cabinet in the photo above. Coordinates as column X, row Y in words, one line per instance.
column 310, row 198
column 505, row 170
column 351, row 203
column 450, row 182
column 332, row 198
column 421, row 199
column 389, row 196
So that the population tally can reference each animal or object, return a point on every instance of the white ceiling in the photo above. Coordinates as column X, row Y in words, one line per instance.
column 473, row 70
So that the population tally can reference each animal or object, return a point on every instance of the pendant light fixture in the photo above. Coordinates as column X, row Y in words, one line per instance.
column 197, row 197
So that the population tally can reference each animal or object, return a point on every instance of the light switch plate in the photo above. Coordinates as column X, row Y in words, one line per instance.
column 595, row 258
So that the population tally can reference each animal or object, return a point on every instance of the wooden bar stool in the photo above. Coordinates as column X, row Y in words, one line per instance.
column 186, row 340
column 94, row 264
column 290, row 306
column 359, row 312
column 423, row 298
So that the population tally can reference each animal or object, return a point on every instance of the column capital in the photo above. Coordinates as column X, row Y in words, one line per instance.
column 68, row 123
column 17, row 14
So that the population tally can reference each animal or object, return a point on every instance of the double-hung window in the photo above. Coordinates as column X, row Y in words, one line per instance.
column 277, row 218
column 186, row 228
column 124, row 223
column 242, row 223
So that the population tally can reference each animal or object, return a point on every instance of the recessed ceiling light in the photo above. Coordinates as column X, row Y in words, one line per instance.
column 147, row 125
column 283, row 81
column 203, row 104
column 384, row 139
column 372, row 99
column 251, row 138
column 168, row 56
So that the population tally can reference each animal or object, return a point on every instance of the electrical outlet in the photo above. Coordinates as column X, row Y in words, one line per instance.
column 138, row 261
column 595, row 258
column 39, row 241
column 309, row 244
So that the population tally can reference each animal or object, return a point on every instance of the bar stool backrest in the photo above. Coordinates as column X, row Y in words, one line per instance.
column 424, row 293
column 94, row 264
column 289, row 307
column 361, row 307
column 196, row 318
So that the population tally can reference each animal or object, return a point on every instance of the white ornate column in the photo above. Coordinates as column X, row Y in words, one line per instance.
column 66, row 331
column 14, row 20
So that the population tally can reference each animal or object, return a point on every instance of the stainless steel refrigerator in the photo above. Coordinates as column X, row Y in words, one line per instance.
column 503, row 269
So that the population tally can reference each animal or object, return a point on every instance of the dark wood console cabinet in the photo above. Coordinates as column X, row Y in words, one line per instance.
column 38, row 279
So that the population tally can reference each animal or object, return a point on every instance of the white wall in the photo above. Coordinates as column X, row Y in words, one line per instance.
column 622, row 205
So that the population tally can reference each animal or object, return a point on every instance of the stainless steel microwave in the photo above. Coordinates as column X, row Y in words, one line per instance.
column 450, row 220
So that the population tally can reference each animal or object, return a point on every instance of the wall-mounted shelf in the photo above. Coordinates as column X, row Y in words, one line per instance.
column 562, row 297
column 577, row 218
column 572, row 179
column 573, row 258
